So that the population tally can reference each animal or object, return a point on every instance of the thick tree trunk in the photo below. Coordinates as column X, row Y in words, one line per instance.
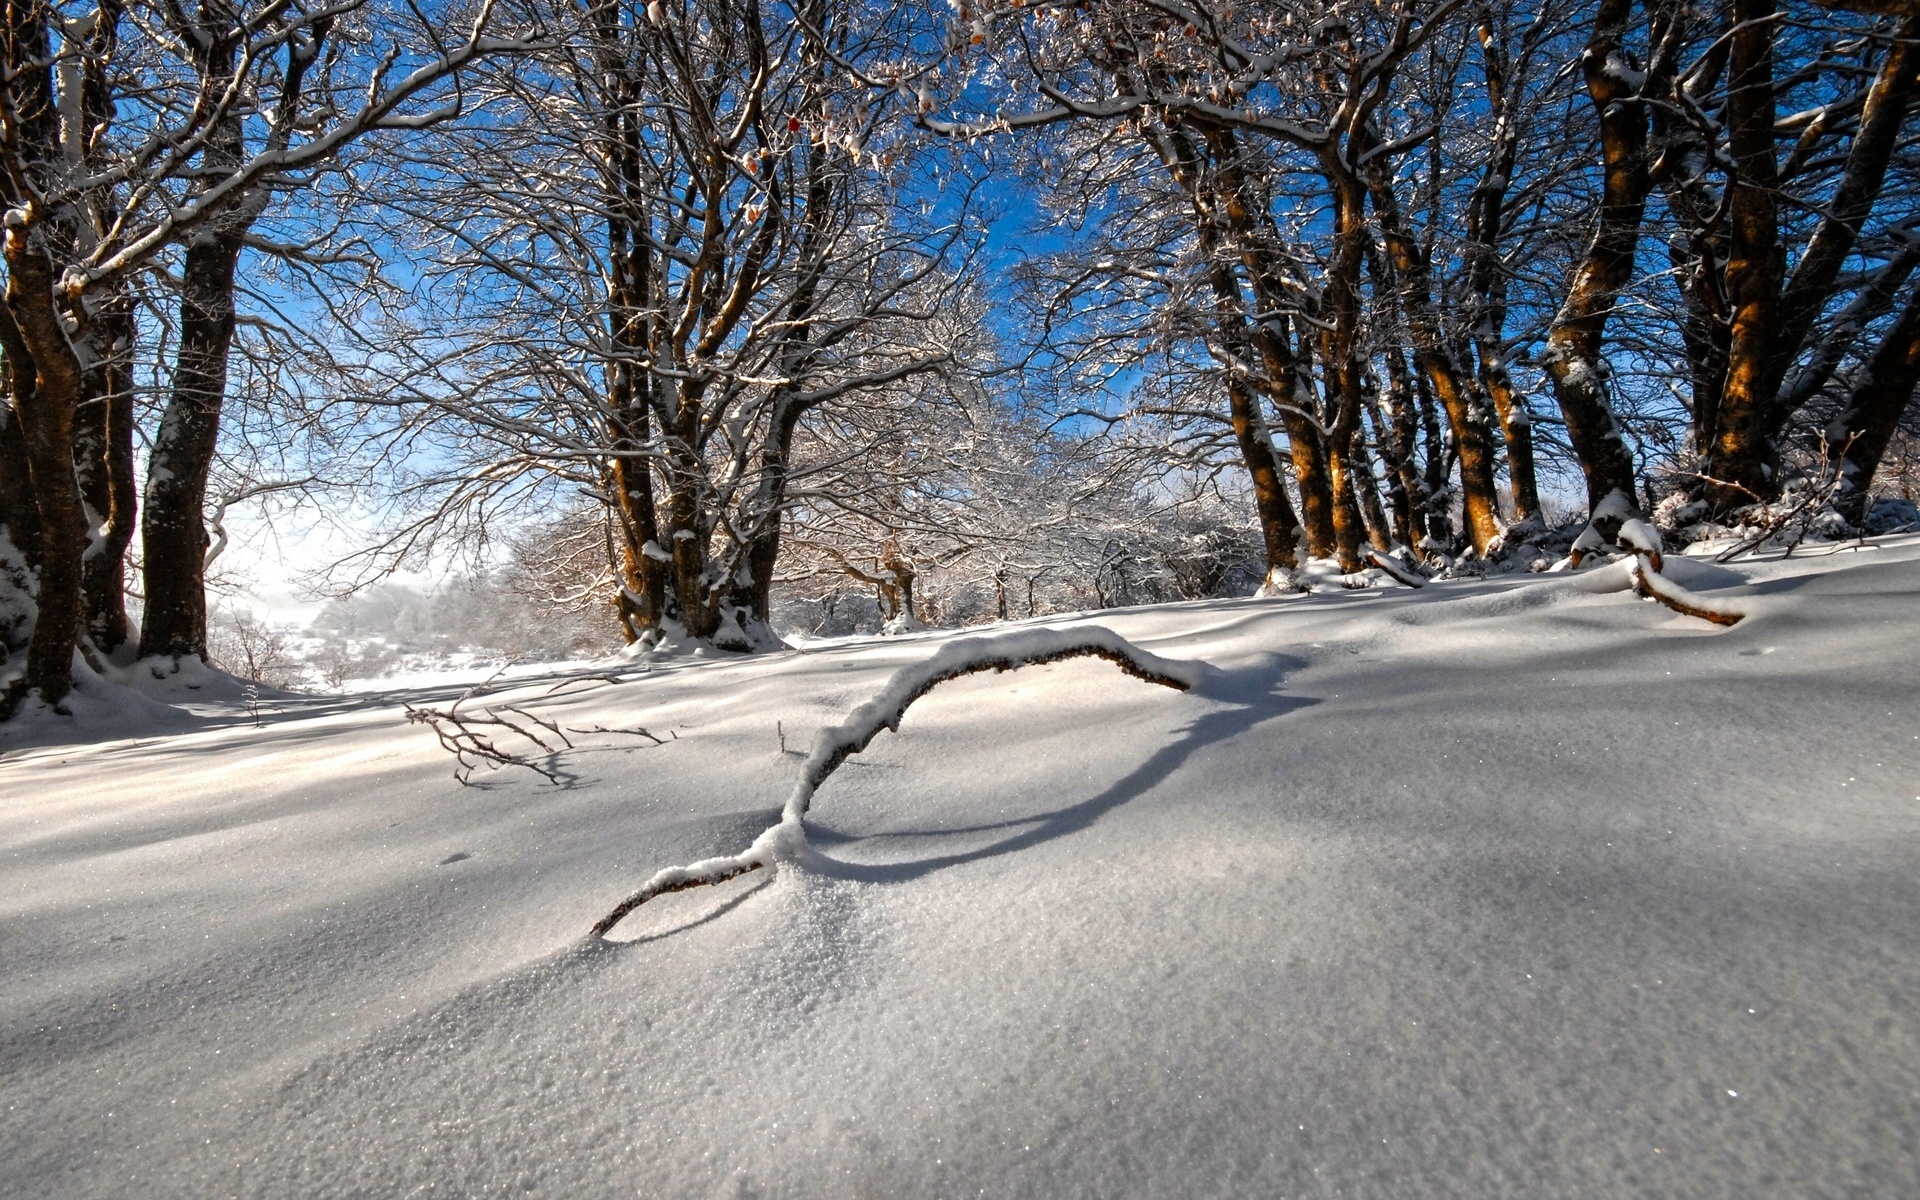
column 1880, row 396
column 46, row 377
column 1249, row 226
column 44, row 369
column 173, row 531
column 687, row 546
column 642, row 562
column 642, row 602
column 754, row 594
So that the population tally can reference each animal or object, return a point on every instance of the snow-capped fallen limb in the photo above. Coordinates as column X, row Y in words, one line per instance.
column 1394, row 567
column 1648, row 581
column 787, row 840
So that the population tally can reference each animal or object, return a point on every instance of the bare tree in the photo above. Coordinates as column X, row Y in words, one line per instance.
column 676, row 236
column 125, row 132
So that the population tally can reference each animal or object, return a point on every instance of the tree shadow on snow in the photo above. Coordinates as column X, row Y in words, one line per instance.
column 1251, row 695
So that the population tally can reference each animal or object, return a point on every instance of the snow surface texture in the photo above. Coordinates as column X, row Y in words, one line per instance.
column 1523, row 886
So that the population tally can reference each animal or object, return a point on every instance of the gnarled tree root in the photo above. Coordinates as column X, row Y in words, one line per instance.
column 787, row 840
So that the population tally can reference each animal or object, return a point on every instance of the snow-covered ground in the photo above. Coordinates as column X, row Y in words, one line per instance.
column 1520, row 887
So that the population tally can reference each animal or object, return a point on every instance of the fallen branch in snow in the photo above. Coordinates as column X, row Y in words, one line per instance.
column 1399, row 570
column 787, row 840
column 461, row 735
column 567, row 683
column 1649, row 582
column 636, row 731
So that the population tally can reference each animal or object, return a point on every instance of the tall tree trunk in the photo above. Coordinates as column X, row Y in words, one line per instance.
column 1575, row 357
column 1249, row 227
column 173, row 531
column 103, row 459
column 1184, row 159
column 46, row 378
column 1742, row 463
column 44, row 368
column 1339, row 347
column 1487, row 276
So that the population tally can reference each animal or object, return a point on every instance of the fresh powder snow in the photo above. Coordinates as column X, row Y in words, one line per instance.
column 1519, row 886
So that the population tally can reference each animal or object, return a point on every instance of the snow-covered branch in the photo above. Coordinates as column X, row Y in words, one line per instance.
column 787, row 840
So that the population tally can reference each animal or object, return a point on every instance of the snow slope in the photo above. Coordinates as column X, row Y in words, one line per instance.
column 1519, row 887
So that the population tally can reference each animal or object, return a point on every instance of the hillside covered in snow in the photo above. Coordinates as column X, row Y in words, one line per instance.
column 1522, row 886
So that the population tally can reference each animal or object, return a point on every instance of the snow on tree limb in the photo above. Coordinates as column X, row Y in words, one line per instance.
column 1649, row 582
column 787, row 840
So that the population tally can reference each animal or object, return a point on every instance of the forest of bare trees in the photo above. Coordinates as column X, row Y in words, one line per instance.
column 976, row 311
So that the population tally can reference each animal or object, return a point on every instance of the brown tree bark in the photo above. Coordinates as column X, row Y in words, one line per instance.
column 44, row 368
column 1486, row 277
column 173, row 532
column 1182, row 155
column 1339, row 345
column 1250, row 227
column 1575, row 356
column 1742, row 462
column 641, row 603
column 45, row 398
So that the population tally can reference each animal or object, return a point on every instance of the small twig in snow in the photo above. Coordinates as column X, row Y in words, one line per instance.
column 636, row 731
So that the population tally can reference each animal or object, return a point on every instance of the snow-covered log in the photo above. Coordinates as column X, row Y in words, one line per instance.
column 787, row 840
column 1399, row 570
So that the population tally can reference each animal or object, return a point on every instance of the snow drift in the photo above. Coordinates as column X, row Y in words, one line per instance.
column 1524, row 886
